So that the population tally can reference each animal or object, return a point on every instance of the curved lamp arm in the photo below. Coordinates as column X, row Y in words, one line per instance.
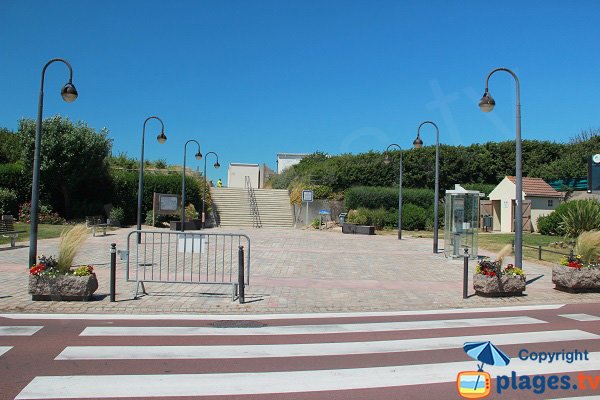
column 161, row 139
column 486, row 104
column 217, row 165
column 418, row 143
column 386, row 160
column 198, row 157
column 69, row 94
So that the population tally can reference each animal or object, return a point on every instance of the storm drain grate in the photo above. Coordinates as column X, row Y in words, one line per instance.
column 238, row 324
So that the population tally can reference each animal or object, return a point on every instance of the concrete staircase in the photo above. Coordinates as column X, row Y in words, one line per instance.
column 233, row 207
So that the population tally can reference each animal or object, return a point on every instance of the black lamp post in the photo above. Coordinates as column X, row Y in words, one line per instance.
column 69, row 94
column 418, row 143
column 387, row 160
column 216, row 165
column 198, row 157
column 486, row 104
column 161, row 138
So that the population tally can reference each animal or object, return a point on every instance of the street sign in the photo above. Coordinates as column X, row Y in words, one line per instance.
column 324, row 212
column 307, row 196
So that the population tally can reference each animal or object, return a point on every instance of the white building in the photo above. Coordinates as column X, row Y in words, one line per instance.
column 286, row 160
column 539, row 198
column 237, row 173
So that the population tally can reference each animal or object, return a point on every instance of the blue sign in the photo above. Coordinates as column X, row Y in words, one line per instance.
column 323, row 212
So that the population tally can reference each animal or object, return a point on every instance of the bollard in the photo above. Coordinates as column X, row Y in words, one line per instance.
column 241, row 274
column 466, row 274
column 113, row 270
column 539, row 252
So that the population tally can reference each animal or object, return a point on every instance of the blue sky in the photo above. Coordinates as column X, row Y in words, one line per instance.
column 249, row 79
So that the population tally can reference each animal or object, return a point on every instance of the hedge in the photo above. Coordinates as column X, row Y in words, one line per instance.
column 125, row 191
column 11, row 177
column 8, row 202
column 374, row 197
column 413, row 217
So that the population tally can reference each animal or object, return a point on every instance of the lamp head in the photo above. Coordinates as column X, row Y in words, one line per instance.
column 418, row 143
column 387, row 159
column 162, row 138
column 217, row 165
column 487, row 103
column 198, row 156
column 68, row 92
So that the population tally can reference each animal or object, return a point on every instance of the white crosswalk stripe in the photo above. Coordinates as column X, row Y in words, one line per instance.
column 311, row 349
column 371, row 356
column 581, row 317
column 19, row 330
column 4, row 349
column 307, row 329
column 230, row 384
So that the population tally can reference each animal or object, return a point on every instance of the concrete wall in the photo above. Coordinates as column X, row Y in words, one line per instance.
column 539, row 207
column 237, row 172
column 334, row 208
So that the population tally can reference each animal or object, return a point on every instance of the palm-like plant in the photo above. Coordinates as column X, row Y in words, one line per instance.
column 582, row 216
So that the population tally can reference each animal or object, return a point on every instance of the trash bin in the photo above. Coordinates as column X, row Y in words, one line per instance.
column 342, row 218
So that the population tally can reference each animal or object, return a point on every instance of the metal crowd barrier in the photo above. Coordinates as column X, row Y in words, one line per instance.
column 188, row 257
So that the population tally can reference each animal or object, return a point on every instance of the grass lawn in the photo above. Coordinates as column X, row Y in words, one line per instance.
column 44, row 232
column 496, row 241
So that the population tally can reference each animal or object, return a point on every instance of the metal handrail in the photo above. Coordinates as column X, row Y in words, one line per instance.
column 256, row 222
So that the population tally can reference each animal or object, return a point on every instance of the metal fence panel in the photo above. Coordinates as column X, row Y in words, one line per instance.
column 187, row 257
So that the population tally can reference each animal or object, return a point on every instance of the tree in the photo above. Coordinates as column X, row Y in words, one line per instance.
column 10, row 148
column 72, row 154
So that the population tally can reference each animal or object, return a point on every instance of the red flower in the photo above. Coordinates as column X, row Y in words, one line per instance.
column 37, row 269
column 575, row 264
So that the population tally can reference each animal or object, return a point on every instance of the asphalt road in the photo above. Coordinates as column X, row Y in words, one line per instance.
column 383, row 355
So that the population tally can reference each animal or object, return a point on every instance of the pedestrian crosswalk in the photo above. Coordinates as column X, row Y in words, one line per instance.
column 341, row 357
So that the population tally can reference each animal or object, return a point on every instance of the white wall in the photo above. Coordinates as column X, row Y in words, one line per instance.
column 237, row 172
column 287, row 160
column 539, row 207
column 505, row 193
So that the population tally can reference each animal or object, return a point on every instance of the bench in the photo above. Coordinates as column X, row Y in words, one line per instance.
column 96, row 222
column 7, row 229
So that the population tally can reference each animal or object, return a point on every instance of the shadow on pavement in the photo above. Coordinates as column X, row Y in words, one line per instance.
column 21, row 246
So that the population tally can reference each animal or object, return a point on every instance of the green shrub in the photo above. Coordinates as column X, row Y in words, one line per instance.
column 354, row 217
column 125, row 191
column 45, row 215
column 550, row 224
column 580, row 216
column 374, row 197
column 8, row 201
column 161, row 220
column 414, row 218
column 315, row 223
column 116, row 216
column 11, row 176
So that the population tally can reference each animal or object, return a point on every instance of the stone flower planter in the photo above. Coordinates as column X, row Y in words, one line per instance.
column 62, row 287
column 576, row 280
column 493, row 286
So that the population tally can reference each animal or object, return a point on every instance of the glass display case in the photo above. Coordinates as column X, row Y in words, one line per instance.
column 462, row 220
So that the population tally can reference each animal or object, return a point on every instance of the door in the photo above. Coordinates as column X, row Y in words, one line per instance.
column 485, row 214
column 526, row 216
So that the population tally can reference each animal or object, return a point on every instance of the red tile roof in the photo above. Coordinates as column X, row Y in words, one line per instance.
column 536, row 187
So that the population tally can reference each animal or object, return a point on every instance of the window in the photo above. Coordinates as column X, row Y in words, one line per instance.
column 550, row 202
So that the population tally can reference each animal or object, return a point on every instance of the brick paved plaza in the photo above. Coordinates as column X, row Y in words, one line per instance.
column 291, row 271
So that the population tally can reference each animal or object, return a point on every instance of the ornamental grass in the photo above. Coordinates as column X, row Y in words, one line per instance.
column 71, row 241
